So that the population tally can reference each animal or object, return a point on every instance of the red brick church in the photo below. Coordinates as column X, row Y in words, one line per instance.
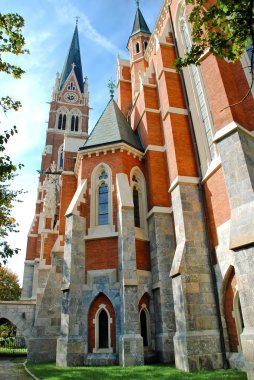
column 142, row 244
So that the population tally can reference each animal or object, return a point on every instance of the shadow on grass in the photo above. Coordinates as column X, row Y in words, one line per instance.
column 161, row 372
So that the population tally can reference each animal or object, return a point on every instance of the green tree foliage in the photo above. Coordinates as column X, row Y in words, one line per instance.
column 225, row 28
column 11, row 42
column 9, row 285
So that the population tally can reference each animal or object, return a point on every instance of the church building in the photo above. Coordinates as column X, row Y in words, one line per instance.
column 141, row 249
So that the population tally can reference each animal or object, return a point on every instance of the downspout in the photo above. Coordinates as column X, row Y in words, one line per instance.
column 204, row 210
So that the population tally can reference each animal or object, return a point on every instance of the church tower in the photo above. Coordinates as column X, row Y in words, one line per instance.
column 137, row 45
column 67, row 130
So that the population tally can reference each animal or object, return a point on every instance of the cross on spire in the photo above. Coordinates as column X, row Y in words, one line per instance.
column 137, row 2
column 77, row 19
column 73, row 66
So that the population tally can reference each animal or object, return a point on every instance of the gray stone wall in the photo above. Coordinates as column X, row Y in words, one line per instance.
column 46, row 329
column 237, row 156
column 131, row 351
column 161, row 235
column 70, row 344
column 27, row 287
column 197, row 340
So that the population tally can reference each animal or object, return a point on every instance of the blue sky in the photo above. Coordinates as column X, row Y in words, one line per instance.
column 104, row 29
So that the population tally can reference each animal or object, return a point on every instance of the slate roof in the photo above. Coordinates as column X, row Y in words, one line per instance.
column 73, row 56
column 140, row 24
column 112, row 127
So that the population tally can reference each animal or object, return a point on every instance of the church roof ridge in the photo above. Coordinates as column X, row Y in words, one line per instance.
column 73, row 57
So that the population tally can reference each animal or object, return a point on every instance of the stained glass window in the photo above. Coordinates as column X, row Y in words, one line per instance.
column 103, row 204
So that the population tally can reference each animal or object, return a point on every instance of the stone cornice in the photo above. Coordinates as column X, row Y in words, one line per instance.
column 105, row 149
column 229, row 129
column 183, row 179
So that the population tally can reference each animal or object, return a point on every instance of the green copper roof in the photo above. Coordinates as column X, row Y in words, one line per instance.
column 112, row 127
column 73, row 57
column 139, row 24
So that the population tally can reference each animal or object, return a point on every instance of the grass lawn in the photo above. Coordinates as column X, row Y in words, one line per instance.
column 159, row 372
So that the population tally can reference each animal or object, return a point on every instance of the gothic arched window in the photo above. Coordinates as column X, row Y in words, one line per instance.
column 103, row 204
column 101, row 212
column 72, row 123
column 138, row 186
column 76, row 123
column 60, row 121
column 60, row 158
column 137, row 48
column 136, row 207
column 64, row 123
column 145, row 45
column 199, row 91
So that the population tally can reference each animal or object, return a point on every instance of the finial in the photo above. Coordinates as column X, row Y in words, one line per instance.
column 77, row 18
column 73, row 66
column 111, row 86
column 137, row 2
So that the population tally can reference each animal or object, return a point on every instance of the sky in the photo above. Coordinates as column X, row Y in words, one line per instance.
column 104, row 29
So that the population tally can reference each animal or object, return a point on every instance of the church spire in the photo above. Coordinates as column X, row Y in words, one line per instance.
column 73, row 61
column 140, row 25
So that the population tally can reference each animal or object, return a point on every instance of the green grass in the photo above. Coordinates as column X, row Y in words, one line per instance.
column 158, row 372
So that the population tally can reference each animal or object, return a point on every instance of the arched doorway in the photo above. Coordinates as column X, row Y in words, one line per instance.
column 101, row 326
column 233, row 314
column 144, row 327
column 103, row 329
column 12, row 342
column 144, row 318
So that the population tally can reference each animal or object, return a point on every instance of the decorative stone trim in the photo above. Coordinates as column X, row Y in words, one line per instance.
column 77, row 199
column 67, row 173
column 95, row 235
column 159, row 210
column 152, row 110
column 178, row 111
column 112, row 148
column 155, row 148
column 183, row 179
column 157, row 28
column 229, row 129
column 214, row 166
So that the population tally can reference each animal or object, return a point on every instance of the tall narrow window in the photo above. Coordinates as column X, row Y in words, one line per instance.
column 64, row 123
column 60, row 120
column 145, row 45
column 72, row 123
column 76, row 123
column 60, row 162
column 200, row 92
column 137, row 48
column 136, row 207
column 101, row 209
column 103, row 329
column 103, row 204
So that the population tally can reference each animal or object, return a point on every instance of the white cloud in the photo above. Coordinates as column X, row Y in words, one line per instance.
column 67, row 12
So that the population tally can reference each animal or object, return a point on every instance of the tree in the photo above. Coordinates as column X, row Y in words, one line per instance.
column 225, row 28
column 11, row 41
column 9, row 285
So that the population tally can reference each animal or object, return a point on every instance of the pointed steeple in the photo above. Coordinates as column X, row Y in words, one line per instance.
column 140, row 25
column 73, row 59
